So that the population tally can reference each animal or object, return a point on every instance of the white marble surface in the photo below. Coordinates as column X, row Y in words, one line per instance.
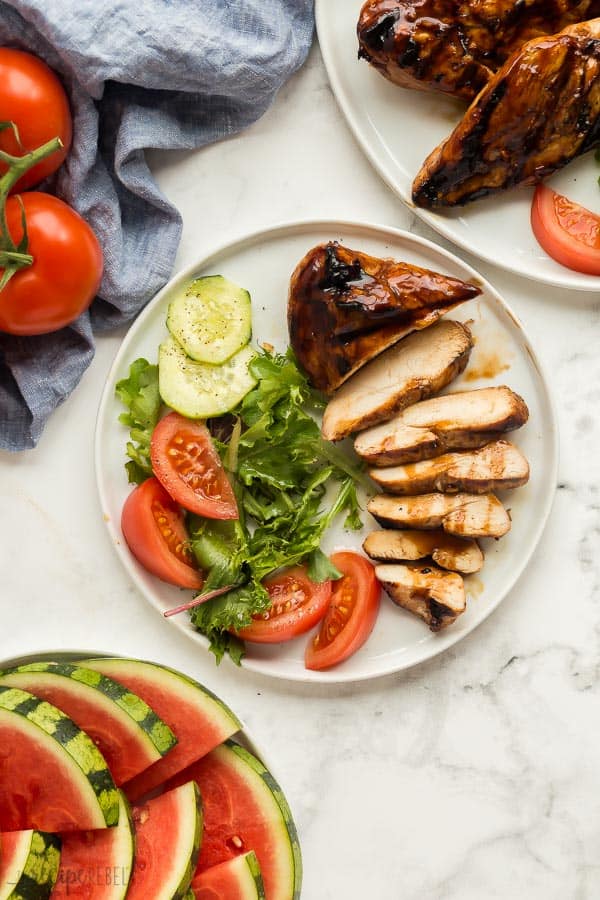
column 474, row 776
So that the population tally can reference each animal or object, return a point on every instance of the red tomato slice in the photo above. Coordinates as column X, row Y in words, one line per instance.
column 568, row 232
column 188, row 467
column 298, row 604
column 351, row 615
column 153, row 526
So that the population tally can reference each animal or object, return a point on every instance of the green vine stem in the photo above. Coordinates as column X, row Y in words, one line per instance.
column 15, row 256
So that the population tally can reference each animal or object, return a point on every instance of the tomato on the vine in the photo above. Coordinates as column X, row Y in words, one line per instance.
column 187, row 465
column 65, row 273
column 33, row 98
column 154, row 529
column 351, row 615
column 297, row 604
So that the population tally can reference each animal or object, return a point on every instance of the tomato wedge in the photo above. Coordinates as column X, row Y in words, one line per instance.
column 187, row 465
column 153, row 526
column 351, row 615
column 568, row 232
column 298, row 604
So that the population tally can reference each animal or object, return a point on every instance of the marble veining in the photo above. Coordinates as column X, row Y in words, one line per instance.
column 475, row 776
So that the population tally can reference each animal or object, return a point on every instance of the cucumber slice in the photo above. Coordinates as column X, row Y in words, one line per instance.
column 212, row 320
column 199, row 390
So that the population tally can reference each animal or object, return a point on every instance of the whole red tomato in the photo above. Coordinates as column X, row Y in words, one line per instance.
column 34, row 99
column 65, row 273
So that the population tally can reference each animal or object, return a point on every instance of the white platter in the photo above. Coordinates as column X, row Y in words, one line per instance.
column 398, row 128
column 263, row 263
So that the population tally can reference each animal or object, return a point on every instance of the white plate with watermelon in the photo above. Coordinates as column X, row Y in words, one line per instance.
column 262, row 263
column 124, row 778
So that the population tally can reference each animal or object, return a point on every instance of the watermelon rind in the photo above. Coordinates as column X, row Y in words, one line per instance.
column 151, row 735
column 54, row 730
column 33, row 869
column 170, row 681
column 242, row 871
column 290, row 845
column 105, row 878
column 174, row 883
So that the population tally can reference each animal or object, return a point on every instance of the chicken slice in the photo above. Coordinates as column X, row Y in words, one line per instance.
column 449, row 552
column 537, row 113
column 436, row 596
column 497, row 466
column 345, row 308
column 417, row 367
column 466, row 515
column 459, row 421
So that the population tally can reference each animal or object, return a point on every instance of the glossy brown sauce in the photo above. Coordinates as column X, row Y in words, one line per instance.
column 488, row 364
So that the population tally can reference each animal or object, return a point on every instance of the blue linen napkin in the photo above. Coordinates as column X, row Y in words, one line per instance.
column 140, row 73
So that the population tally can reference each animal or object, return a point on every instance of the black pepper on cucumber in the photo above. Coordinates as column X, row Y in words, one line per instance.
column 211, row 319
column 200, row 390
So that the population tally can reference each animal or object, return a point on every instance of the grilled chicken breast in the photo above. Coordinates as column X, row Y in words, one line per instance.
column 464, row 515
column 459, row 421
column 540, row 111
column 417, row 367
column 436, row 596
column 456, row 46
column 449, row 552
column 346, row 307
column 497, row 466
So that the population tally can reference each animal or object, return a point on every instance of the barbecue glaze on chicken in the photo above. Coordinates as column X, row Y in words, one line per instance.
column 455, row 46
column 540, row 111
column 345, row 307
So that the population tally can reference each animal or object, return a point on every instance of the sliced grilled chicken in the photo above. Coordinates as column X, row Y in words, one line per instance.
column 455, row 46
column 436, row 596
column 459, row 421
column 449, row 552
column 466, row 515
column 417, row 367
column 345, row 308
column 540, row 110
column 497, row 466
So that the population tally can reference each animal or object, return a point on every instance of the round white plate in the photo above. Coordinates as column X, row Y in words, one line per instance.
column 263, row 263
column 398, row 128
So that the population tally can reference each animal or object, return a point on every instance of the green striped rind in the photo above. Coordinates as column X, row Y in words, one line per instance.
column 75, row 742
column 244, row 870
column 36, row 872
column 284, row 808
column 154, row 729
column 186, row 879
column 253, row 865
column 223, row 710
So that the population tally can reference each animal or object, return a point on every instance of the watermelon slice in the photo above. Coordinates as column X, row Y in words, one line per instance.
column 52, row 776
column 127, row 732
column 199, row 720
column 237, row 879
column 244, row 809
column 29, row 863
column 97, row 865
column 168, row 832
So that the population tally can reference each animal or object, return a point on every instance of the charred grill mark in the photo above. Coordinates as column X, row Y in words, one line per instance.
column 455, row 46
column 378, row 36
column 338, row 275
column 539, row 112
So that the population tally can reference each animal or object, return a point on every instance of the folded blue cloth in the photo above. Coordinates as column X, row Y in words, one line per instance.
column 139, row 73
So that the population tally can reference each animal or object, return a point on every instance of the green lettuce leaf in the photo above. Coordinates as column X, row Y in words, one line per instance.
column 139, row 393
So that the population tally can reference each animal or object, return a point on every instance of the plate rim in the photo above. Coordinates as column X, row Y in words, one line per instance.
column 333, row 676
column 436, row 222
